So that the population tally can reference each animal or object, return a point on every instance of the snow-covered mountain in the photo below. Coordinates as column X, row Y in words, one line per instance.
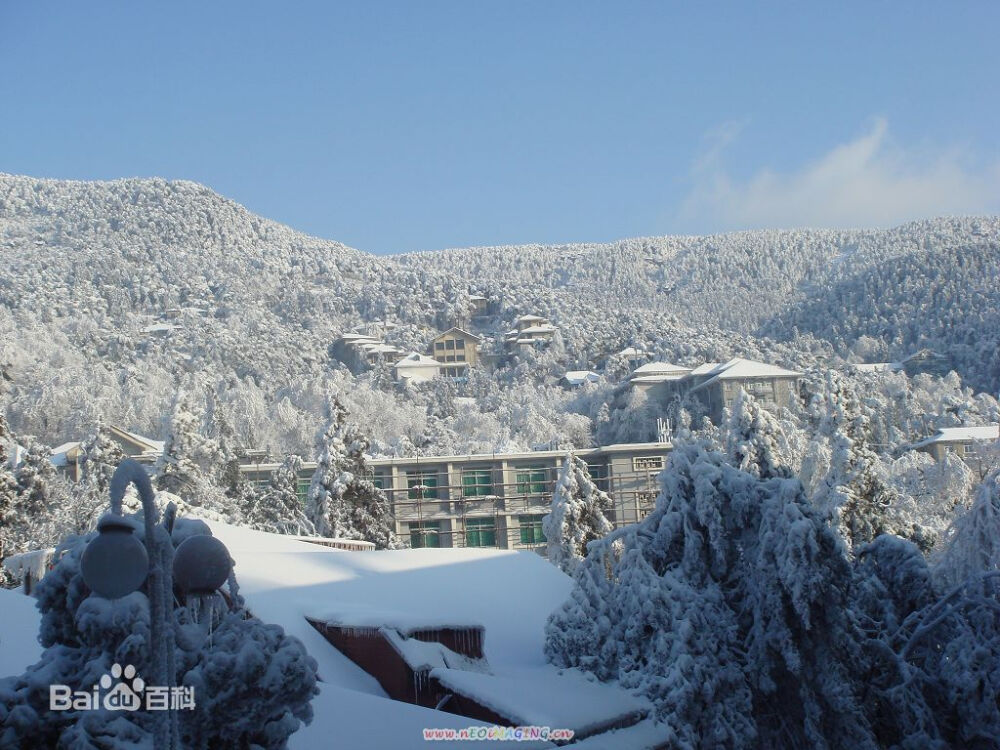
column 113, row 292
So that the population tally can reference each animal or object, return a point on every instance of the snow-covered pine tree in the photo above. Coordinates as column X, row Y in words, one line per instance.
column 727, row 608
column 853, row 493
column 101, row 456
column 343, row 502
column 281, row 510
column 972, row 544
column 191, row 461
column 577, row 516
column 8, row 495
column 754, row 440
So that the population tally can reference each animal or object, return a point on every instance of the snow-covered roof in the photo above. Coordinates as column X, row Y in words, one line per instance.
column 416, row 359
column 545, row 328
column 529, row 319
column 646, row 379
column 631, row 351
column 59, row 454
column 984, row 433
column 152, row 446
column 579, row 377
column 706, row 369
column 738, row 368
column 358, row 338
column 660, row 368
column 547, row 698
column 354, row 615
column 380, row 348
column 877, row 366
column 458, row 330
column 477, row 297
column 161, row 328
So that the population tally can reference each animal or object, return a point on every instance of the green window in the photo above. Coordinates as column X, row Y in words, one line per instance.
column 480, row 532
column 477, row 483
column 531, row 529
column 379, row 481
column 422, row 485
column 424, row 534
column 302, row 490
column 531, row 482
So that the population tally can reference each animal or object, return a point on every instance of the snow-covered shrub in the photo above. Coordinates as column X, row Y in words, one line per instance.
column 253, row 684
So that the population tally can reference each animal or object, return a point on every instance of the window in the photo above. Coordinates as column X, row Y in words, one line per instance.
column 531, row 529
column 531, row 481
column 425, row 534
column 439, row 345
column 480, row 532
column 379, row 481
column 459, row 357
column 422, row 485
column 647, row 463
column 477, row 483
column 302, row 490
column 460, row 343
column 599, row 473
column 450, row 358
column 449, row 344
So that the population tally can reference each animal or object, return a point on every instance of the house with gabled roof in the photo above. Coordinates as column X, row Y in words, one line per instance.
column 978, row 446
column 455, row 350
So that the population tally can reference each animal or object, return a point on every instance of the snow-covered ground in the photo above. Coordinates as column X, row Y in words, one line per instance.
column 19, row 644
column 283, row 580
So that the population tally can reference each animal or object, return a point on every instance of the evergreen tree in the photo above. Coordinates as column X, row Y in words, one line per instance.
column 192, row 463
column 754, row 440
column 343, row 502
column 854, row 493
column 972, row 547
column 281, row 509
column 8, row 493
column 577, row 516
column 727, row 607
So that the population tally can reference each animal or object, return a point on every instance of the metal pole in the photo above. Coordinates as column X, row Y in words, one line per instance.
column 160, row 590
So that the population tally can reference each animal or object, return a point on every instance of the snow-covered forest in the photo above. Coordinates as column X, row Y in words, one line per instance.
column 793, row 552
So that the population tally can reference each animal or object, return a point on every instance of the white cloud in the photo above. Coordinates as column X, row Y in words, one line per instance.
column 867, row 182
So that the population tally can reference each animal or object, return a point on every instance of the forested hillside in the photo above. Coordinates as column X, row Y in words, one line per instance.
column 114, row 294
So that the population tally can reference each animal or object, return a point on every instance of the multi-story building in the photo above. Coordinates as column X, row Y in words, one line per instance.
column 456, row 350
column 715, row 385
column 529, row 330
column 498, row 500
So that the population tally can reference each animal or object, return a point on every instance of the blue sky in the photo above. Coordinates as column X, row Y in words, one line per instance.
column 418, row 125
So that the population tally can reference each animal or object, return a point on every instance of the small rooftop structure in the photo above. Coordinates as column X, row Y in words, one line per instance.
column 416, row 368
column 576, row 378
column 877, row 366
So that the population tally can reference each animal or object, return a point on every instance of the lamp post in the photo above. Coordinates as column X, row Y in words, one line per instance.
column 116, row 564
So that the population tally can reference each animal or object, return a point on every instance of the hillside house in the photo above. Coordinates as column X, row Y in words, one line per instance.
column 977, row 446
column 480, row 305
column 529, row 330
column 576, row 378
column 456, row 350
column 416, row 368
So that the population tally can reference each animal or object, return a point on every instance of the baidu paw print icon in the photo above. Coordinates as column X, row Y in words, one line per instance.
column 124, row 696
